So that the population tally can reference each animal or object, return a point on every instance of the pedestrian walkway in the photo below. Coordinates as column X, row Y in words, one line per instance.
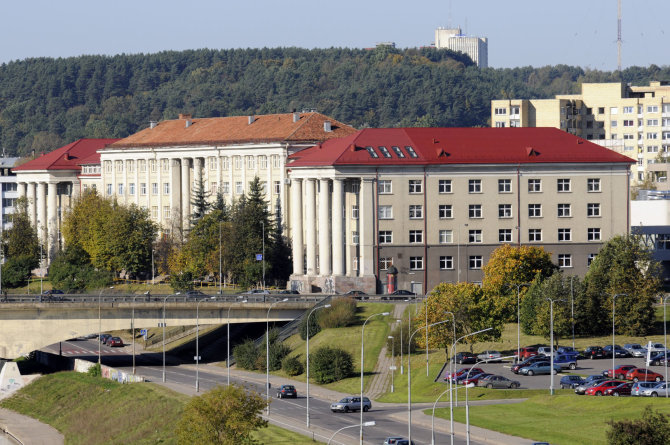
column 27, row 430
column 382, row 373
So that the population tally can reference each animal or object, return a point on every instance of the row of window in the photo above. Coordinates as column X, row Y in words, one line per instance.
column 639, row 123
column 563, row 185
column 225, row 188
column 514, row 110
column 475, row 262
column 445, row 211
column 394, row 149
column 212, row 162
column 446, row 236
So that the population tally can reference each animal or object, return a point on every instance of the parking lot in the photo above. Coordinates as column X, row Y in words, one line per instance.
column 584, row 368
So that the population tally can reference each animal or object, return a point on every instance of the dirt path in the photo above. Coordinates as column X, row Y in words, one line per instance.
column 381, row 381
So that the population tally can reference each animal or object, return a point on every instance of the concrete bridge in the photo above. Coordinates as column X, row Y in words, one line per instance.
column 26, row 326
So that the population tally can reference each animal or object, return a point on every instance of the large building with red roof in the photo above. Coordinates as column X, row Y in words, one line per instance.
column 435, row 202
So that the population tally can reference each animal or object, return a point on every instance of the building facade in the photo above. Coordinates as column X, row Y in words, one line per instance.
column 631, row 120
column 475, row 47
column 8, row 190
column 435, row 202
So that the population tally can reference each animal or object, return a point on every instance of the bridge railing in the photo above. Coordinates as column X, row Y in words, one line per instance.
column 80, row 298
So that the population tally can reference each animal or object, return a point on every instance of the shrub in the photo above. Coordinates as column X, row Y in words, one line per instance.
column 247, row 354
column 94, row 370
column 277, row 353
column 314, row 327
column 16, row 270
column 292, row 366
column 341, row 313
column 651, row 429
column 331, row 364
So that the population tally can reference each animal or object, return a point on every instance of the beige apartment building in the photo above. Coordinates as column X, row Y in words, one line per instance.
column 631, row 120
column 475, row 47
column 435, row 202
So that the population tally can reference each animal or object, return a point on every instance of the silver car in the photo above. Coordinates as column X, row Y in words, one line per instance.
column 497, row 381
column 635, row 349
column 349, row 404
column 489, row 355
column 660, row 389
column 638, row 388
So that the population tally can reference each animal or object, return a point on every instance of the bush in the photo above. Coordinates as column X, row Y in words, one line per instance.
column 247, row 354
column 277, row 353
column 181, row 282
column 314, row 327
column 651, row 429
column 95, row 371
column 16, row 270
column 341, row 313
column 331, row 364
column 292, row 366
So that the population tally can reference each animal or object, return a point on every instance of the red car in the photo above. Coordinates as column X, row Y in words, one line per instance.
column 619, row 372
column 601, row 389
column 461, row 373
column 527, row 352
column 115, row 341
column 643, row 375
column 474, row 378
column 622, row 390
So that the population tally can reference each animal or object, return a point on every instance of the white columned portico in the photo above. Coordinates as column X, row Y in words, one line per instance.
column 310, row 225
column 41, row 212
column 338, row 233
column 52, row 218
column 366, row 261
column 185, row 195
column 30, row 195
column 324, row 227
column 21, row 188
column 296, row 226
column 76, row 189
column 197, row 172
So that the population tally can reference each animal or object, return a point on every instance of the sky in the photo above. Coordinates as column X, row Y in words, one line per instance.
column 520, row 32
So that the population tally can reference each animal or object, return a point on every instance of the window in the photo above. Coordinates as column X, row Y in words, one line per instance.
column 416, row 263
column 225, row 163
column 500, row 124
column 475, row 186
column 445, row 211
column 143, row 188
column 142, row 165
column 415, row 186
column 277, row 187
column 131, row 189
column 166, row 188
column 275, row 161
column 239, row 188
column 564, row 260
column 354, row 212
column 564, row 211
column 264, row 187
column 504, row 186
column 372, row 152
column 398, row 151
column 514, row 123
column 251, row 163
column 504, row 210
column 119, row 166
column 613, row 124
column 475, row 211
column 213, row 188
column 385, row 237
column 475, row 236
column 446, row 237
column 416, row 236
column 514, row 109
column 385, row 151
column 416, row 212
column 627, row 110
column 110, row 190
column 444, row 186
column 652, row 149
column 384, row 187
column 166, row 212
column 563, row 185
column 534, row 185
column 212, row 161
column 564, row 235
column 590, row 258
column 652, row 108
column 385, row 263
column 225, row 188
column 386, row 212
column 411, row 152
column 131, row 166
column 354, row 238
column 238, row 162
column 154, row 188
column 593, row 234
column 154, row 212
column 593, row 209
column 120, row 188
column 263, row 162
column 652, row 135
column 504, row 235
column 628, row 123
column 593, row 185
column 475, row 262
column 534, row 210
column 628, row 137
column 534, row 235
column 500, row 111
column 446, row 263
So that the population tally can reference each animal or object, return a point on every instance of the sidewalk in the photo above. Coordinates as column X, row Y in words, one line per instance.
column 28, row 430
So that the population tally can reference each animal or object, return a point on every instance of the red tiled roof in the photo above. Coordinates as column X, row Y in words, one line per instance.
column 69, row 157
column 457, row 146
column 236, row 129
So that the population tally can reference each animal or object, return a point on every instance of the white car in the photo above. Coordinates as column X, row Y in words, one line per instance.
column 635, row 349
column 489, row 355
column 656, row 347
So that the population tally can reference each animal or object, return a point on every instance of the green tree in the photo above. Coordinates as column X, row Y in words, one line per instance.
column 331, row 364
column 226, row 415
column 652, row 428
column 199, row 201
column 71, row 270
column 20, row 248
column 535, row 307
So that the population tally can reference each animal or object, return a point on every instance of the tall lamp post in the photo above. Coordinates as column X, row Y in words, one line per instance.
column 518, row 317
column 384, row 314
column 572, row 310
column 263, row 224
column 402, row 368
column 665, row 344
column 613, row 312
column 551, row 342
column 228, row 340
column 308, row 315
column 164, row 302
column 390, row 337
column 132, row 330
column 267, row 354
column 452, row 358
column 100, row 325
column 197, row 341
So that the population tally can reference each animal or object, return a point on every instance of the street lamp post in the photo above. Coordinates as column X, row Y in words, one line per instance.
column 100, row 326
column 220, row 265
column 572, row 310
column 165, row 301
column 153, row 271
column 263, row 224
column 197, row 341
column 425, row 306
column 665, row 344
column 228, row 340
column 267, row 354
column 390, row 337
column 402, row 365
column 132, row 330
column 432, row 421
column 518, row 317
column 452, row 363
column 551, row 343
column 613, row 312
column 370, row 423
column 362, row 367
column 308, row 315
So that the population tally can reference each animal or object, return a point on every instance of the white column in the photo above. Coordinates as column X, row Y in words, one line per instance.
column 366, row 216
column 41, row 211
column 197, row 171
column 21, row 188
column 219, row 172
column 52, row 218
column 136, row 162
column 30, row 196
column 76, row 189
column 296, row 226
column 324, row 227
column 338, row 233
column 310, row 225
column 185, row 192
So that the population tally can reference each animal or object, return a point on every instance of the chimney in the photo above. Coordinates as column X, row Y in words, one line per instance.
column 327, row 127
column 184, row 116
column 296, row 116
column 66, row 156
column 188, row 123
column 250, row 119
column 152, row 124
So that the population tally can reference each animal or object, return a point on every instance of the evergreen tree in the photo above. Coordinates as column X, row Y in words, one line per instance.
column 199, row 201
column 280, row 252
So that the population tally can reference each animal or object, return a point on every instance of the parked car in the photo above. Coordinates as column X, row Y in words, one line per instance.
column 594, row 352
column 635, row 349
column 658, row 358
column 601, row 388
column 103, row 338
column 544, row 350
column 498, row 382
column 352, row 403
column 540, row 368
column 114, row 341
column 536, row 358
column 571, row 381
column 566, row 361
column 461, row 372
column 619, row 372
column 465, row 358
column 618, row 351
column 287, row 391
column 638, row 388
column 659, row 390
column 656, row 347
column 289, row 292
column 490, row 356
column 402, row 292
column 473, row 378
column 526, row 352
column 621, row 390
column 645, row 375
column 581, row 389
column 568, row 350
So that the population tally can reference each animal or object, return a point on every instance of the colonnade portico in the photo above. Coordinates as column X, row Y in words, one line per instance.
column 345, row 248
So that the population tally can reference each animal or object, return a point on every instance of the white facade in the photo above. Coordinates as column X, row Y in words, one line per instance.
column 8, row 191
column 475, row 47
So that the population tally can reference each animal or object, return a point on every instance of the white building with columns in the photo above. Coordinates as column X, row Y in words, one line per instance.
column 435, row 202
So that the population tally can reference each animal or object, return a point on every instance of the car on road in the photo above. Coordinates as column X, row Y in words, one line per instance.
column 566, row 361
column 536, row 358
column 404, row 442
column 464, row 358
column 659, row 390
column 114, row 341
column 571, row 381
column 601, row 388
column 619, row 372
column 594, row 352
column 402, row 292
column 103, row 338
column 352, row 403
column 635, row 349
column 392, row 440
column 568, row 350
column 638, row 388
column 526, row 352
column 53, row 292
column 618, row 351
column 288, row 292
column 642, row 374
column 256, row 292
column 287, row 391
column 357, row 294
column 489, row 355
column 540, row 368
column 195, row 294
column 497, row 382
column 461, row 372
column 621, row 390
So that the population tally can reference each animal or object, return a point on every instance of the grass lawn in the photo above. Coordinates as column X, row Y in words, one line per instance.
column 563, row 419
column 276, row 435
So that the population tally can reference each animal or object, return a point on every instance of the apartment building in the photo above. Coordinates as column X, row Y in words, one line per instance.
column 475, row 47
column 8, row 190
column 435, row 202
column 631, row 120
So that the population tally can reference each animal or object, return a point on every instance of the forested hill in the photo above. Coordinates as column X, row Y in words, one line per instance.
column 45, row 103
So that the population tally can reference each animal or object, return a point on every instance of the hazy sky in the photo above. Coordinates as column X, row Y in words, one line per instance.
column 520, row 32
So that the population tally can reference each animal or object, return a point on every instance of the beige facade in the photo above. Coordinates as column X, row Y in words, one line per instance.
column 475, row 47
column 631, row 120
